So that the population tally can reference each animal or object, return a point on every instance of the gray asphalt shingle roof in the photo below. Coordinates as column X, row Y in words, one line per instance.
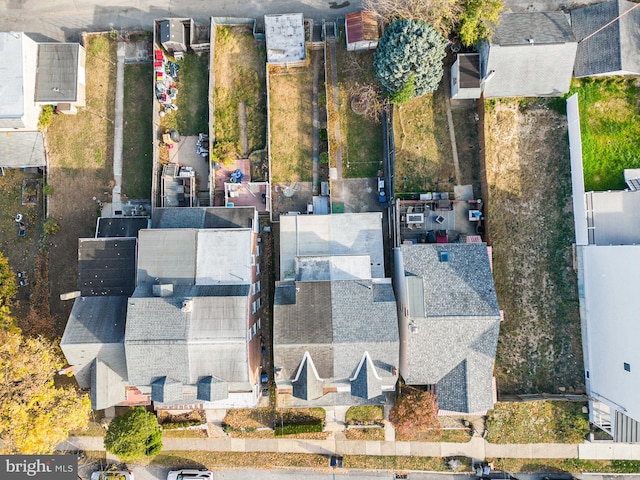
column 531, row 54
column 614, row 49
column 335, row 323
column 96, row 320
column 208, row 339
column 452, row 342
column 541, row 27
column 462, row 286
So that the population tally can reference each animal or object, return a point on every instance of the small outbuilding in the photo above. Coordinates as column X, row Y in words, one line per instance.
column 175, row 34
column 614, row 50
column 465, row 76
column 285, row 38
column 362, row 30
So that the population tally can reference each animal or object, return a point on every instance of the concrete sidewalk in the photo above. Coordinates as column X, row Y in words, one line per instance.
column 477, row 448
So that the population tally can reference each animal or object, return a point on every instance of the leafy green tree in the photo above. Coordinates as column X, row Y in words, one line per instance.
column 415, row 412
column 409, row 51
column 478, row 20
column 35, row 415
column 134, row 435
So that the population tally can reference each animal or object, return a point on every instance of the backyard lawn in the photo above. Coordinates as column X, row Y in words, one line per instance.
column 239, row 70
column 530, row 228
column 80, row 168
column 610, row 130
column 424, row 161
column 290, row 97
column 137, row 152
column 192, row 116
column 20, row 251
column 362, row 137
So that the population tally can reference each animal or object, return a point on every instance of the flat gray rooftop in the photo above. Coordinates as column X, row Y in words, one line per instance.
column 285, row 37
column 613, row 218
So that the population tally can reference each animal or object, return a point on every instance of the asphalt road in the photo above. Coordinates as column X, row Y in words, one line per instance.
column 156, row 473
column 65, row 19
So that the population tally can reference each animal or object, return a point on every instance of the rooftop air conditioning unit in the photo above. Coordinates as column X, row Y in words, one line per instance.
column 413, row 218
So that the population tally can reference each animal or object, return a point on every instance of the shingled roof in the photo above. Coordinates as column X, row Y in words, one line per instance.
column 454, row 323
column 615, row 49
column 530, row 54
column 207, row 337
column 333, row 324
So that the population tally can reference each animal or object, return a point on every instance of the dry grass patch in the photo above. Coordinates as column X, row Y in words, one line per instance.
column 239, row 70
column 80, row 159
column 190, row 433
column 537, row 422
column 424, row 161
column 291, row 97
column 362, row 137
column 197, row 459
column 530, row 227
column 433, row 464
column 367, row 434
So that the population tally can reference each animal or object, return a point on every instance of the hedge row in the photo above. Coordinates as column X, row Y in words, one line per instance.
column 183, row 424
column 294, row 428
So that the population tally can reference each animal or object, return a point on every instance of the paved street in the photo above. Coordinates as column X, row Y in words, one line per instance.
column 66, row 19
column 156, row 473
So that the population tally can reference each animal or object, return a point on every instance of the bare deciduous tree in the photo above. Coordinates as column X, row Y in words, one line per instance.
column 366, row 99
column 442, row 14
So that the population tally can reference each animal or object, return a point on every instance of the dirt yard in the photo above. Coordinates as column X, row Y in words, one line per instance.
column 530, row 228
column 81, row 158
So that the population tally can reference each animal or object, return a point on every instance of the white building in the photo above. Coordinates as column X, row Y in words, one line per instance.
column 607, row 228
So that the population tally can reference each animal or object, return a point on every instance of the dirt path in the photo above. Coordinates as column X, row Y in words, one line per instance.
column 335, row 98
column 242, row 118
column 316, row 57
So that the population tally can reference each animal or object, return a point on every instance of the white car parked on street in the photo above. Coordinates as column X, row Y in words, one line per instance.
column 190, row 474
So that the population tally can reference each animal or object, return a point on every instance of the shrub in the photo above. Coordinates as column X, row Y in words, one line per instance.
column 323, row 135
column 51, row 226
column 324, row 158
column 295, row 428
column 134, row 435
column 46, row 116
column 415, row 411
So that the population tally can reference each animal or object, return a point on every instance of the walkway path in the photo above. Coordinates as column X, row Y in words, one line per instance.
column 452, row 132
column 316, row 122
column 335, row 99
column 118, row 130
column 477, row 448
